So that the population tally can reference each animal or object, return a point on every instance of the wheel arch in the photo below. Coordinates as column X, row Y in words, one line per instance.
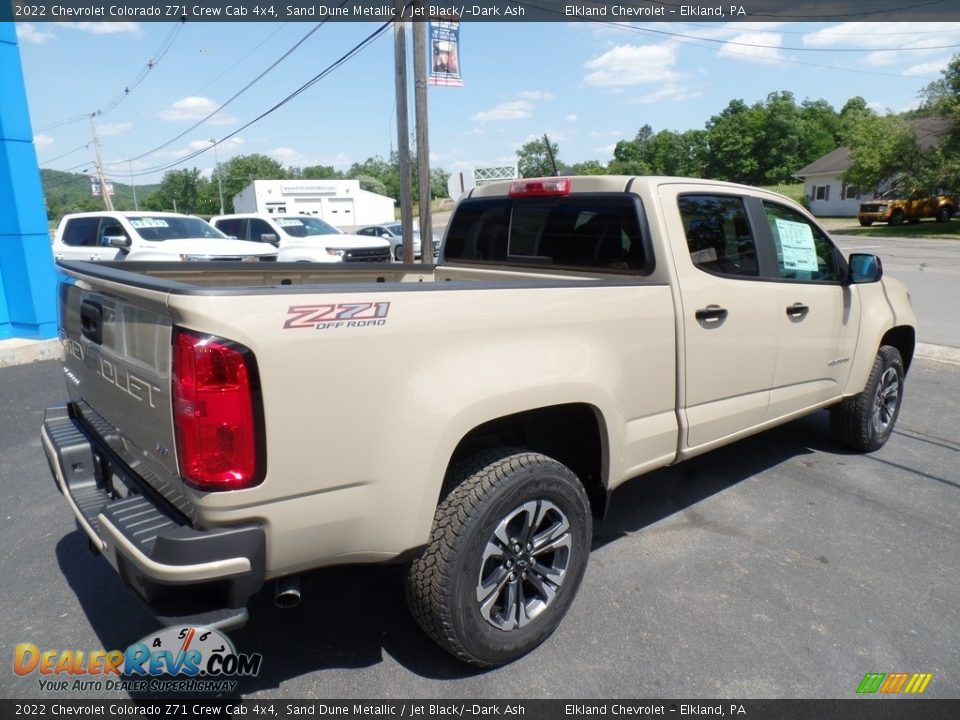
column 574, row 434
column 904, row 339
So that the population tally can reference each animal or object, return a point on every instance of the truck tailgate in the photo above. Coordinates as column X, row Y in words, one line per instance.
column 117, row 358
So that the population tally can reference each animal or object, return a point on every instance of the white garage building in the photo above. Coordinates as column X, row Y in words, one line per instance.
column 340, row 202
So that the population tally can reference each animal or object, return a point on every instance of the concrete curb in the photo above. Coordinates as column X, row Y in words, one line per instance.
column 17, row 351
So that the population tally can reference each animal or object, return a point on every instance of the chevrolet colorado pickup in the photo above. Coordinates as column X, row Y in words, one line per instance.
column 577, row 333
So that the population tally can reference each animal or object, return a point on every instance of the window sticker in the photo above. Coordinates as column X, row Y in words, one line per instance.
column 149, row 223
column 288, row 222
column 797, row 245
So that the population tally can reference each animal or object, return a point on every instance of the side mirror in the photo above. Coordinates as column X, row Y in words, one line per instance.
column 865, row 268
column 270, row 238
column 121, row 242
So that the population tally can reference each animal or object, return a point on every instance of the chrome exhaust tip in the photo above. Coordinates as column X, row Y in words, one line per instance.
column 287, row 593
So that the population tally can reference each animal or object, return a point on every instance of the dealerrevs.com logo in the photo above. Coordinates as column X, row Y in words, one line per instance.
column 187, row 659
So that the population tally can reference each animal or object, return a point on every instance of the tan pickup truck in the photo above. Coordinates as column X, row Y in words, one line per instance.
column 237, row 424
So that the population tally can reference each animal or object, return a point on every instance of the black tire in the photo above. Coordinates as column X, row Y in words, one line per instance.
column 519, row 496
column 864, row 422
column 398, row 253
column 866, row 223
column 896, row 218
column 944, row 214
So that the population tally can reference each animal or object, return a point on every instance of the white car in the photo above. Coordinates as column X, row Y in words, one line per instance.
column 303, row 238
column 148, row 236
column 393, row 233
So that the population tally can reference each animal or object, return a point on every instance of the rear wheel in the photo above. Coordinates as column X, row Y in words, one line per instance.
column 944, row 214
column 506, row 555
column 865, row 422
column 897, row 217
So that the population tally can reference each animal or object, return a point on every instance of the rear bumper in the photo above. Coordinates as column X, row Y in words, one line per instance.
column 183, row 575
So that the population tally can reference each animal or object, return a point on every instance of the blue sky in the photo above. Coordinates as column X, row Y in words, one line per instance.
column 585, row 84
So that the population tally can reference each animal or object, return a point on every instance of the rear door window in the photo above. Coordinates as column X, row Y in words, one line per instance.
column 718, row 234
column 81, row 232
column 595, row 232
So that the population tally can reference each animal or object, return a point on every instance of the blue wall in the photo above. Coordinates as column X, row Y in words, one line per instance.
column 27, row 280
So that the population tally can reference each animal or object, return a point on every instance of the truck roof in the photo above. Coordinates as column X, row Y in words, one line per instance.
column 127, row 213
column 607, row 183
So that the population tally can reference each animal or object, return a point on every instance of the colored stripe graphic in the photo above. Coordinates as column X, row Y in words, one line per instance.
column 871, row 682
column 918, row 683
column 894, row 683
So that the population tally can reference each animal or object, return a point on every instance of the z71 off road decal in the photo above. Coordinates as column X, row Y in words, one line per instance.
column 342, row 315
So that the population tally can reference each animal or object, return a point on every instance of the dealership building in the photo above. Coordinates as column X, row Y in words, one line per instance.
column 340, row 202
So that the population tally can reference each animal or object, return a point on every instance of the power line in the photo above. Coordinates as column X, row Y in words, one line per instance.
column 158, row 55
column 68, row 152
column 240, row 92
column 357, row 48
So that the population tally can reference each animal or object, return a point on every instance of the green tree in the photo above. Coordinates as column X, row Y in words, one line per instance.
column 533, row 159
column 628, row 159
column 588, row 167
column 241, row 170
column 179, row 189
column 320, row 172
column 883, row 150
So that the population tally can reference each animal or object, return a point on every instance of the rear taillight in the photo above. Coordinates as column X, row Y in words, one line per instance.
column 216, row 413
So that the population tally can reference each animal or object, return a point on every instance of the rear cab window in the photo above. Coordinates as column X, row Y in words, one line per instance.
column 596, row 231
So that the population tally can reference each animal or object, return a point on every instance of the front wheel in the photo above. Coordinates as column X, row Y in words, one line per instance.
column 896, row 218
column 506, row 555
column 865, row 422
column 866, row 223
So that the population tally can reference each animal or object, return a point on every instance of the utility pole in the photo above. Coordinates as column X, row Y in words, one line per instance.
column 423, row 138
column 108, row 203
column 553, row 161
column 136, row 205
column 403, row 132
column 216, row 159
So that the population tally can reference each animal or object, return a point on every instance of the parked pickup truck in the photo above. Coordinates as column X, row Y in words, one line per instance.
column 235, row 426
column 148, row 235
column 895, row 210
column 303, row 238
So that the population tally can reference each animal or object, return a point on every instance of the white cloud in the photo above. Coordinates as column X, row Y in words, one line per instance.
column 514, row 110
column 572, row 117
column 42, row 141
column 340, row 160
column 535, row 95
column 934, row 67
column 763, row 46
column 627, row 65
column 889, row 43
column 287, row 156
column 114, row 129
column 195, row 108
column 605, row 133
column 28, row 32
column 672, row 93
column 104, row 28
column 606, row 149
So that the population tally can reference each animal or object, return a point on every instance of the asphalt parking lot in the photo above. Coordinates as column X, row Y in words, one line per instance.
column 781, row 566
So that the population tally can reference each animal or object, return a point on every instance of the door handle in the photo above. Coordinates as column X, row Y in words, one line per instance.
column 711, row 314
column 797, row 310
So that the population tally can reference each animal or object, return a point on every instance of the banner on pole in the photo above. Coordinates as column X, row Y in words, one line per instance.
column 445, row 54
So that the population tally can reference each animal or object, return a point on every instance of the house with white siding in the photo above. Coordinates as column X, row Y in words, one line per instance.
column 823, row 184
